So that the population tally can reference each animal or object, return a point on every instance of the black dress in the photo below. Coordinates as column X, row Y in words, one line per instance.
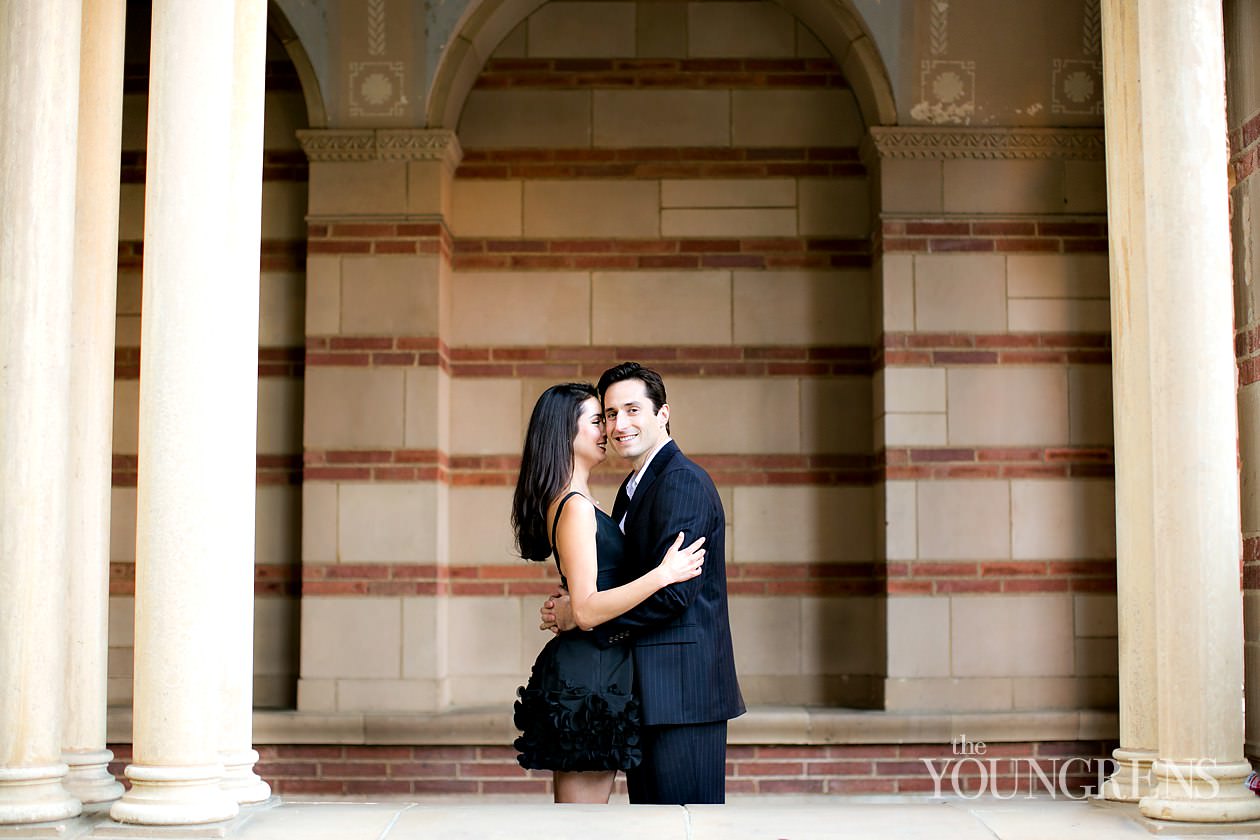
column 578, row 711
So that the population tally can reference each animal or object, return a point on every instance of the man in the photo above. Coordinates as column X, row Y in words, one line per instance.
column 681, row 636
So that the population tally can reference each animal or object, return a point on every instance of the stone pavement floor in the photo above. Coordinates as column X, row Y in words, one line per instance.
column 743, row 818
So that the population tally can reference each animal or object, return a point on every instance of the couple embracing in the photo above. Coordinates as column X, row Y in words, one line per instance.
column 640, row 676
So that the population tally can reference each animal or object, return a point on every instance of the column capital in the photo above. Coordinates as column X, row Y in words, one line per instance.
column 393, row 144
column 953, row 143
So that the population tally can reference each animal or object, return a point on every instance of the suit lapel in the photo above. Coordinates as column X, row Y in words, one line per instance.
column 622, row 500
column 649, row 478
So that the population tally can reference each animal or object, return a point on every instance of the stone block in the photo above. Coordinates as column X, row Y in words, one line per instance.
column 795, row 117
column 582, row 30
column 918, row 637
column 1008, row 406
column 531, row 308
column 769, row 410
column 964, row 519
column 802, row 307
column 1011, row 635
column 1063, row 519
column 600, row 208
column 393, row 295
column 661, row 307
column 804, row 524
column 345, row 638
column 486, row 208
column 350, row 407
column 960, row 293
column 740, row 30
column 391, row 523
column 650, row 117
column 532, row 119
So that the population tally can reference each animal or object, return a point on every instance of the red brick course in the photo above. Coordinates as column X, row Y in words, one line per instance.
column 822, row 769
column 1048, row 235
column 647, row 254
column 664, row 162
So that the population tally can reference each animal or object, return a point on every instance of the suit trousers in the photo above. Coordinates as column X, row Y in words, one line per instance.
column 683, row 764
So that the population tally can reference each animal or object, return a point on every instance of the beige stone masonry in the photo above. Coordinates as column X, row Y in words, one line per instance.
column 592, row 208
column 963, row 520
column 396, row 173
column 661, row 29
column 1057, row 519
column 769, row 408
column 582, row 30
column 1089, row 405
column 834, row 207
column 736, row 222
column 280, row 316
column 729, row 193
column 1008, row 406
column 533, row 308
column 481, row 530
column 392, row 523
column 626, row 307
column 802, row 307
column 487, row 208
column 803, row 524
column 794, row 118
column 426, row 413
column 354, row 407
column 919, row 637
column 897, row 303
column 526, row 118
column 1011, row 635
column 390, row 295
column 960, row 293
column 633, row 118
column 737, row 30
column 835, row 415
column 489, row 412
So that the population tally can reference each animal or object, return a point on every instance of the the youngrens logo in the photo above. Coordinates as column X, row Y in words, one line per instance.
column 970, row 772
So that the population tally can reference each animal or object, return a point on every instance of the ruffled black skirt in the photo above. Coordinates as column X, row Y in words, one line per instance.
column 578, row 711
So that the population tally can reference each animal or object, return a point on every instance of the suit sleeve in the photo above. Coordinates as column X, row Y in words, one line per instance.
column 682, row 503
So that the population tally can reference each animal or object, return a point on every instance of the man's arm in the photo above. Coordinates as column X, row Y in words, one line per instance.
column 682, row 503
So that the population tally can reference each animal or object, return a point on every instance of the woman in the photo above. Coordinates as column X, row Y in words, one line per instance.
column 578, row 716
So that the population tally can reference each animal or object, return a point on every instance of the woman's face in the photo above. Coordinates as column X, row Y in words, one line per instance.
column 591, row 444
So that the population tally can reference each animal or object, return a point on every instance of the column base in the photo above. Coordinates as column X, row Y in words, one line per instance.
column 89, row 779
column 1132, row 779
column 1202, row 792
column 240, row 781
column 187, row 795
column 35, row 794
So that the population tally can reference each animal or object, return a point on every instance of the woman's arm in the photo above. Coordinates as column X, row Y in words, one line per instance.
column 575, row 539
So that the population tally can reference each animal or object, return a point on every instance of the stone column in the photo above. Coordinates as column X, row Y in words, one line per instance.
column 1194, row 424
column 238, row 433
column 92, row 399
column 39, row 81
column 188, row 403
column 1130, row 353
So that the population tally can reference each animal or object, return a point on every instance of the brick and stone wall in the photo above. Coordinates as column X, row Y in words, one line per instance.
column 1243, row 110
column 889, row 346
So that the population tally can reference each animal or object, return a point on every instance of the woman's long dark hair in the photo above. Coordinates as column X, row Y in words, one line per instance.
column 546, row 464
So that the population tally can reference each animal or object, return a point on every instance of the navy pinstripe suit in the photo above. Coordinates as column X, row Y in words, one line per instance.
column 681, row 636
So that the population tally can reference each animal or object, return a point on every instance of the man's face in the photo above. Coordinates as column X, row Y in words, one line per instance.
column 630, row 422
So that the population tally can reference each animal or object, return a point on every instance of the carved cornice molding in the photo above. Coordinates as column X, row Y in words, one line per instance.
column 932, row 143
column 382, row 144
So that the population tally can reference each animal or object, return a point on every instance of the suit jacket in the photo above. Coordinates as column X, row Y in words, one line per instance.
column 681, row 635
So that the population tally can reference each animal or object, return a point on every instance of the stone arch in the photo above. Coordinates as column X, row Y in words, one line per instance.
column 303, row 32
column 836, row 23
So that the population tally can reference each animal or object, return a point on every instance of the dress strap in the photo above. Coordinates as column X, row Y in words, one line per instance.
column 556, row 522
